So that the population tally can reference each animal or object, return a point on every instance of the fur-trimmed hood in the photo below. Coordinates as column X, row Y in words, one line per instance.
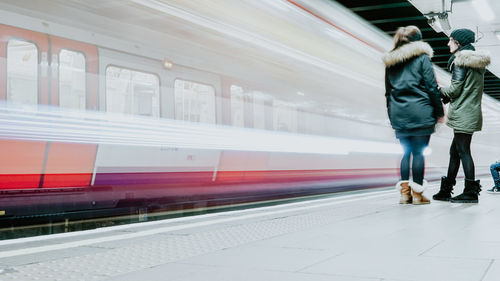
column 472, row 59
column 406, row 52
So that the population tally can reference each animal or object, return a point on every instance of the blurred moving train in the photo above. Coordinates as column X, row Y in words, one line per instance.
column 171, row 104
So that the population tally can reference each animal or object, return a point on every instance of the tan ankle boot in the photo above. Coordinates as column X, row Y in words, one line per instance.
column 418, row 193
column 404, row 188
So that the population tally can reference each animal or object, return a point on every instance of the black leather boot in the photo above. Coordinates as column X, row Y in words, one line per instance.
column 446, row 189
column 471, row 193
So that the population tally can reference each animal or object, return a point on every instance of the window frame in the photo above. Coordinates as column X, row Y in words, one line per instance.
column 86, row 75
column 160, row 113
column 201, row 83
column 38, row 70
column 231, row 104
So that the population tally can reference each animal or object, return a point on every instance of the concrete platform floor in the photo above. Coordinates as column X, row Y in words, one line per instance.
column 352, row 236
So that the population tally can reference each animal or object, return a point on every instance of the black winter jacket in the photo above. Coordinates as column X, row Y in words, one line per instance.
column 411, row 91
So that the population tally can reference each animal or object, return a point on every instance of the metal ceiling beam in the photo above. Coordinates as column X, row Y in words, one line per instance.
column 388, row 15
column 381, row 7
column 436, row 39
column 441, row 48
column 398, row 19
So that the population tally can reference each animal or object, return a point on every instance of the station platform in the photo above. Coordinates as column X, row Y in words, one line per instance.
column 356, row 236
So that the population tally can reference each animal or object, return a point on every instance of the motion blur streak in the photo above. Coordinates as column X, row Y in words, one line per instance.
column 256, row 39
column 335, row 26
column 60, row 125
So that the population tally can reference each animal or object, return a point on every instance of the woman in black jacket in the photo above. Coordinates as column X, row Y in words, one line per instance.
column 413, row 104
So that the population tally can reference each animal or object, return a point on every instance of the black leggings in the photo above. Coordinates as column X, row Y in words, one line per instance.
column 460, row 151
column 415, row 146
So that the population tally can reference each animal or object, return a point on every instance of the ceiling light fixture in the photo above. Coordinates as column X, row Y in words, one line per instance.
column 444, row 21
column 440, row 21
column 167, row 64
column 435, row 24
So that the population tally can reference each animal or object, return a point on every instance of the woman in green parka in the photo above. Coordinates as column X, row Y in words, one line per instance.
column 464, row 116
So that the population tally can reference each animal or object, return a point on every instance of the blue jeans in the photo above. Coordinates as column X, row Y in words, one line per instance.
column 413, row 145
column 494, row 173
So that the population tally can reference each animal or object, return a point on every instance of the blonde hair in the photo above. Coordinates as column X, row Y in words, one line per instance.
column 405, row 35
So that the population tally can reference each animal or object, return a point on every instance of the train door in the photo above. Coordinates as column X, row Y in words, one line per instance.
column 23, row 81
column 129, row 85
column 250, row 109
column 197, row 97
column 73, row 86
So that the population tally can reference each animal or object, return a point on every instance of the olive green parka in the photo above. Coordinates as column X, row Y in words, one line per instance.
column 466, row 91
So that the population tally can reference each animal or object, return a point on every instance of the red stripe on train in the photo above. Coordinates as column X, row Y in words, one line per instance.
column 24, row 181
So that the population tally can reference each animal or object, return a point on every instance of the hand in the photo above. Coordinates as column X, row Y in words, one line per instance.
column 441, row 119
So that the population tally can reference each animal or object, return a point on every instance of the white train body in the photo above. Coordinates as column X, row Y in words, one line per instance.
column 173, row 104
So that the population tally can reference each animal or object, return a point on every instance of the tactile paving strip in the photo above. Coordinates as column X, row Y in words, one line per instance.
column 172, row 247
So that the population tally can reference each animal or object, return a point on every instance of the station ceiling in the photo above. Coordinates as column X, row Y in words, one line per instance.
column 388, row 15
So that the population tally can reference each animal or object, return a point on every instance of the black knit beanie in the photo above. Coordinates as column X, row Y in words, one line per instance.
column 463, row 36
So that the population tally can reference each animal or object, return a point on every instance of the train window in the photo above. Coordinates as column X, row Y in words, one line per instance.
column 194, row 102
column 237, row 106
column 22, row 72
column 72, row 79
column 259, row 109
column 132, row 92
column 284, row 116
